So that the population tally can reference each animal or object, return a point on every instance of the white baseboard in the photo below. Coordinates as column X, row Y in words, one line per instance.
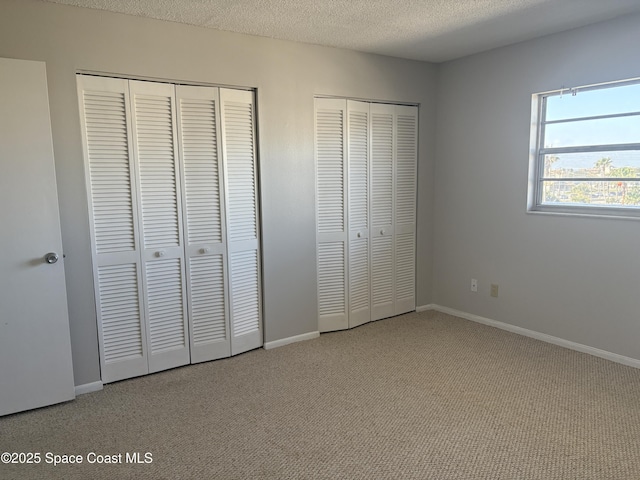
column 286, row 341
column 425, row 308
column 88, row 388
column 614, row 357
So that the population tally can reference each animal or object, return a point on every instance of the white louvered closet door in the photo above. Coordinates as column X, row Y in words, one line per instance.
column 243, row 231
column 110, row 175
column 332, row 227
column 358, row 135
column 204, row 222
column 159, row 210
column 406, row 127
column 382, row 222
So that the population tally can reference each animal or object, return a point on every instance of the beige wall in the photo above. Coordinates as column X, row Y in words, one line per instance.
column 287, row 76
column 573, row 278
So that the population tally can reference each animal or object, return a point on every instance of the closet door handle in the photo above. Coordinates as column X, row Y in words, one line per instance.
column 51, row 258
column 205, row 250
column 160, row 253
column 358, row 234
column 381, row 232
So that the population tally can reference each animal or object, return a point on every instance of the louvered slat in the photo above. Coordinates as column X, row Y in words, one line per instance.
column 406, row 155
column 244, row 281
column 201, row 179
column 207, row 299
column 119, row 312
column 110, row 180
column 405, row 266
column 331, row 278
column 164, row 304
column 359, row 274
column 382, row 270
column 330, row 174
column 358, row 170
column 382, row 169
column 156, row 165
column 241, row 178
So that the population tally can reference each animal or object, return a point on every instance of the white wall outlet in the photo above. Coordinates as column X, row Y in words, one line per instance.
column 474, row 285
column 494, row 289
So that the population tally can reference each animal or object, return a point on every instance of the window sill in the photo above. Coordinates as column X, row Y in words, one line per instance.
column 588, row 212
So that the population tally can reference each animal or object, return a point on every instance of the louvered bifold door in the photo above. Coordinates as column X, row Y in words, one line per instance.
column 406, row 145
column 331, row 220
column 105, row 117
column 382, row 222
column 243, row 231
column 358, row 155
column 154, row 140
column 204, row 222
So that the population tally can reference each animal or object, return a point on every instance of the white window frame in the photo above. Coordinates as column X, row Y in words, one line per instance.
column 537, row 153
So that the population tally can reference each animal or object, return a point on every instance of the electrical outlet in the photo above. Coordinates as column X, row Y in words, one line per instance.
column 474, row 285
column 494, row 289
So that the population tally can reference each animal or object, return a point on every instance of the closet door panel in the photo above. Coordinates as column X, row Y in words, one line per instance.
column 358, row 135
column 105, row 120
column 331, row 220
column 243, row 240
column 154, row 140
column 204, row 222
column 406, row 119
column 166, row 313
column 245, row 301
column 382, row 201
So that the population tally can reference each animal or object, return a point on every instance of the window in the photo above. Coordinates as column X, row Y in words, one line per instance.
column 586, row 150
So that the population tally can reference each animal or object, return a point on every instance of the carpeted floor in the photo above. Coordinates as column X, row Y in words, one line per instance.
column 420, row 396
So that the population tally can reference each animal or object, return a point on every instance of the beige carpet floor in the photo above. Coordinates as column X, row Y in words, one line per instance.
column 420, row 396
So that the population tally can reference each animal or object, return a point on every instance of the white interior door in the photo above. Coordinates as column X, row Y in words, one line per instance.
column 204, row 222
column 110, row 175
column 358, row 139
column 159, row 204
column 243, row 230
column 35, row 347
column 404, row 255
column 382, row 223
column 331, row 219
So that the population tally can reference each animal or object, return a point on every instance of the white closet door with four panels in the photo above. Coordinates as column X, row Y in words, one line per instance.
column 366, row 172
column 358, row 182
column 331, row 220
column 204, row 222
column 110, row 176
column 172, row 185
column 238, row 147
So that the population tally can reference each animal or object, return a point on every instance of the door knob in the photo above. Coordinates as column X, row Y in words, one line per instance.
column 205, row 250
column 51, row 257
column 359, row 234
column 381, row 232
column 160, row 253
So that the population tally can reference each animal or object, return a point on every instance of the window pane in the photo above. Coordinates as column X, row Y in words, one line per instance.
column 589, row 103
column 624, row 164
column 597, row 193
column 609, row 131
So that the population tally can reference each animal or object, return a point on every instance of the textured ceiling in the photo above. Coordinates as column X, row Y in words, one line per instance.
column 431, row 30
